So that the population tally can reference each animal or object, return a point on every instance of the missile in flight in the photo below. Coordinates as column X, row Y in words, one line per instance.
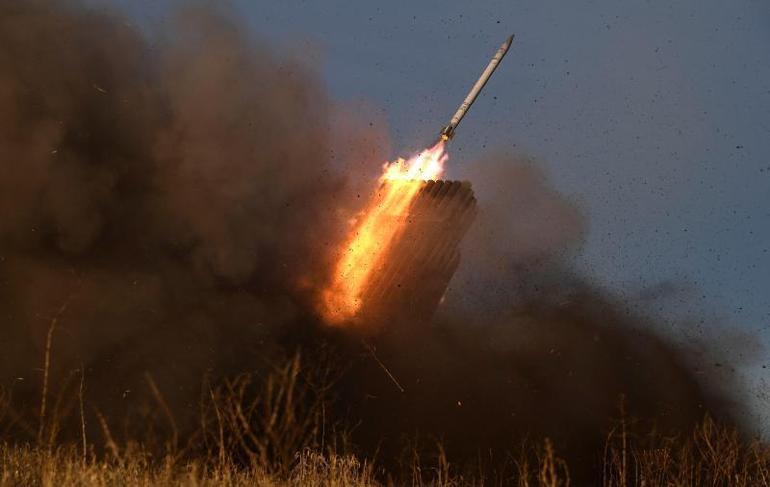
column 449, row 131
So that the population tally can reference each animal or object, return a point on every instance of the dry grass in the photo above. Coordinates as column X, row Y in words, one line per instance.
column 712, row 455
column 272, row 429
column 24, row 465
column 265, row 422
column 65, row 467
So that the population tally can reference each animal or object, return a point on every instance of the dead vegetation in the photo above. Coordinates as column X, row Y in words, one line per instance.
column 712, row 455
column 273, row 429
column 276, row 426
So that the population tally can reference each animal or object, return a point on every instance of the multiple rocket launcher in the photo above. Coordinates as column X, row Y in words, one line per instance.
column 422, row 260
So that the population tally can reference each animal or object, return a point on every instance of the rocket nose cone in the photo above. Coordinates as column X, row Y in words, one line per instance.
column 507, row 44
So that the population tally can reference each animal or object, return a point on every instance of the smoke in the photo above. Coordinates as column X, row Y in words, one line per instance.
column 525, row 348
column 168, row 204
column 524, row 227
column 171, row 207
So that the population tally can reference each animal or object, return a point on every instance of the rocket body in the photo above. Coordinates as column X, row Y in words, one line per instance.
column 448, row 132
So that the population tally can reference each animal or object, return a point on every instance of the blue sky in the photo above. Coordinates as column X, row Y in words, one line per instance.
column 653, row 116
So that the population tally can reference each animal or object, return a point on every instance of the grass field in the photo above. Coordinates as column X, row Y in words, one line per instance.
column 712, row 455
column 270, row 431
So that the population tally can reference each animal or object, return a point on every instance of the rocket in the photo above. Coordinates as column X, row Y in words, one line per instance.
column 448, row 132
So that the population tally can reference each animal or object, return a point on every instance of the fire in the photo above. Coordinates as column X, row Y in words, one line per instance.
column 375, row 228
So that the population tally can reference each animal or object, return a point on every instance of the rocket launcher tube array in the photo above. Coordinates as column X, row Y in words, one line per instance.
column 448, row 132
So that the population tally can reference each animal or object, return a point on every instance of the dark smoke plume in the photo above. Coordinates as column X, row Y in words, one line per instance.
column 173, row 203
column 523, row 348
column 172, row 207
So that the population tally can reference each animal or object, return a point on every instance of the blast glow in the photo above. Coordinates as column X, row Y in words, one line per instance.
column 375, row 229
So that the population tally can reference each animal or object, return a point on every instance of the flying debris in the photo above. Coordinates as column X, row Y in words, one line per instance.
column 449, row 131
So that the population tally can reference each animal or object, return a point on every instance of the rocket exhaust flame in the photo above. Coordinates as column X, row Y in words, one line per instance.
column 383, row 220
column 375, row 229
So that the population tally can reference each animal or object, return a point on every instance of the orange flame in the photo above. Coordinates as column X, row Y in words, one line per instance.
column 374, row 230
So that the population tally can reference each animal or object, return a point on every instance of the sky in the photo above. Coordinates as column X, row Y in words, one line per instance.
column 654, row 117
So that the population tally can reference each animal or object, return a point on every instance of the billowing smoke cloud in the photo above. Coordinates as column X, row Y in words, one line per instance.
column 524, row 226
column 524, row 348
column 171, row 207
column 172, row 204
